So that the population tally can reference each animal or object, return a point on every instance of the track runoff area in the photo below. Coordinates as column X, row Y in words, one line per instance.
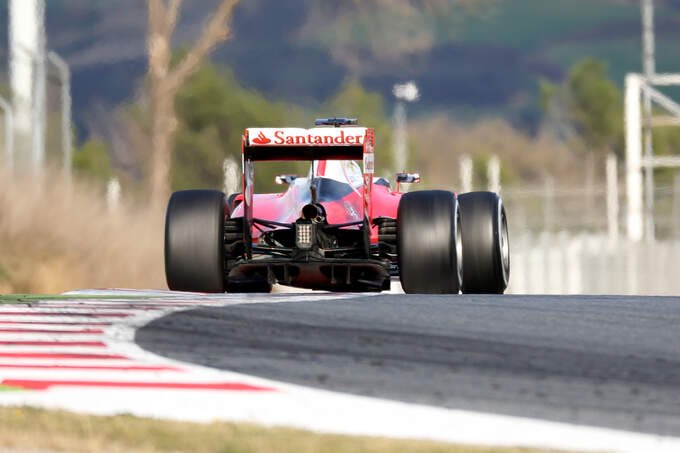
column 570, row 373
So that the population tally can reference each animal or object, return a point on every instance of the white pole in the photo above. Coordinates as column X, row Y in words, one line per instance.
column 9, row 133
column 612, row 199
column 403, row 92
column 65, row 79
column 465, row 165
column 676, row 205
column 493, row 174
column 113, row 194
column 548, row 203
column 648, row 59
column 40, row 103
column 649, row 68
column 574, row 254
column 633, row 157
column 399, row 137
column 27, row 77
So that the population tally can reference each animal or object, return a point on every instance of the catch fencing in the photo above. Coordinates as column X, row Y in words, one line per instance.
column 591, row 263
column 572, row 240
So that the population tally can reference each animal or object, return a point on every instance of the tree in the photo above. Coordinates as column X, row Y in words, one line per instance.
column 353, row 100
column 593, row 104
column 166, row 80
column 594, row 107
column 385, row 31
column 92, row 160
column 213, row 109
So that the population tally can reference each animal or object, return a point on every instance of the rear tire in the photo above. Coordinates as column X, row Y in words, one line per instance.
column 194, row 241
column 429, row 243
column 486, row 249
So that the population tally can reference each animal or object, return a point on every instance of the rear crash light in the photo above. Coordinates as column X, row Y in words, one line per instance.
column 304, row 235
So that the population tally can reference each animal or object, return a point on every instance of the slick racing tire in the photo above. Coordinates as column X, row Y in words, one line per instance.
column 194, row 241
column 429, row 244
column 486, row 249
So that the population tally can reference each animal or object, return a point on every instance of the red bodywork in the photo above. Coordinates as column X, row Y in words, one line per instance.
column 348, row 251
column 378, row 200
column 285, row 207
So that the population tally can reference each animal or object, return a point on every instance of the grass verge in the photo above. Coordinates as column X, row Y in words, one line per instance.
column 7, row 388
column 37, row 429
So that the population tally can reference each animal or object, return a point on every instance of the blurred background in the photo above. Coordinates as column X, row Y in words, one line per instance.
column 109, row 105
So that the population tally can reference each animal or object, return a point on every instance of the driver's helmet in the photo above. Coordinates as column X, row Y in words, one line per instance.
column 345, row 171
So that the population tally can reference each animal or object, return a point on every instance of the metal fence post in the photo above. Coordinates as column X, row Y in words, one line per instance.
column 612, row 199
column 9, row 133
column 633, row 157
column 493, row 174
column 465, row 164
column 65, row 78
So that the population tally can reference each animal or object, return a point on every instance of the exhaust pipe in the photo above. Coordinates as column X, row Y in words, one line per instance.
column 314, row 213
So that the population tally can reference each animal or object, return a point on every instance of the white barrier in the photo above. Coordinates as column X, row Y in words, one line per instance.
column 564, row 263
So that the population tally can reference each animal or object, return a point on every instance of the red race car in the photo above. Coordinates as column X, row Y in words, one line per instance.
column 339, row 228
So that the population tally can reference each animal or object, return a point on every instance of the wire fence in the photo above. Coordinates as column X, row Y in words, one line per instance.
column 585, row 209
column 562, row 242
column 590, row 263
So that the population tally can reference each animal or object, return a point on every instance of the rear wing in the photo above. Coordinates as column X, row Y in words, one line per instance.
column 323, row 143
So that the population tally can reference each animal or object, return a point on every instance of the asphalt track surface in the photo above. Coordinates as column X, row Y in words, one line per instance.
column 600, row 361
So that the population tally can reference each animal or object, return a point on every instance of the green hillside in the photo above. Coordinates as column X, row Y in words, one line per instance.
column 483, row 58
column 497, row 52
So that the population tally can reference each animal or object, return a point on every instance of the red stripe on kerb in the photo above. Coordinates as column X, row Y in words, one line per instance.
column 44, row 355
column 70, row 332
column 91, row 367
column 44, row 385
column 88, row 315
column 97, row 344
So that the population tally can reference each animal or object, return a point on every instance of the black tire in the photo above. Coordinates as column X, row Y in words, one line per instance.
column 194, row 241
column 486, row 248
column 429, row 243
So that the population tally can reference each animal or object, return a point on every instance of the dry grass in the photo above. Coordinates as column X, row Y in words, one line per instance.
column 439, row 143
column 53, row 239
column 26, row 428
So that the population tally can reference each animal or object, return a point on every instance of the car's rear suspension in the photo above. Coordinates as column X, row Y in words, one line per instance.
column 387, row 238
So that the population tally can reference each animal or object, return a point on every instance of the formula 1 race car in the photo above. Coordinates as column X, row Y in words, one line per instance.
column 339, row 228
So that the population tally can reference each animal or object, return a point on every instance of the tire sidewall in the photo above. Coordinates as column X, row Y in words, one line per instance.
column 428, row 226
column 486, row 259
column 194, row 241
